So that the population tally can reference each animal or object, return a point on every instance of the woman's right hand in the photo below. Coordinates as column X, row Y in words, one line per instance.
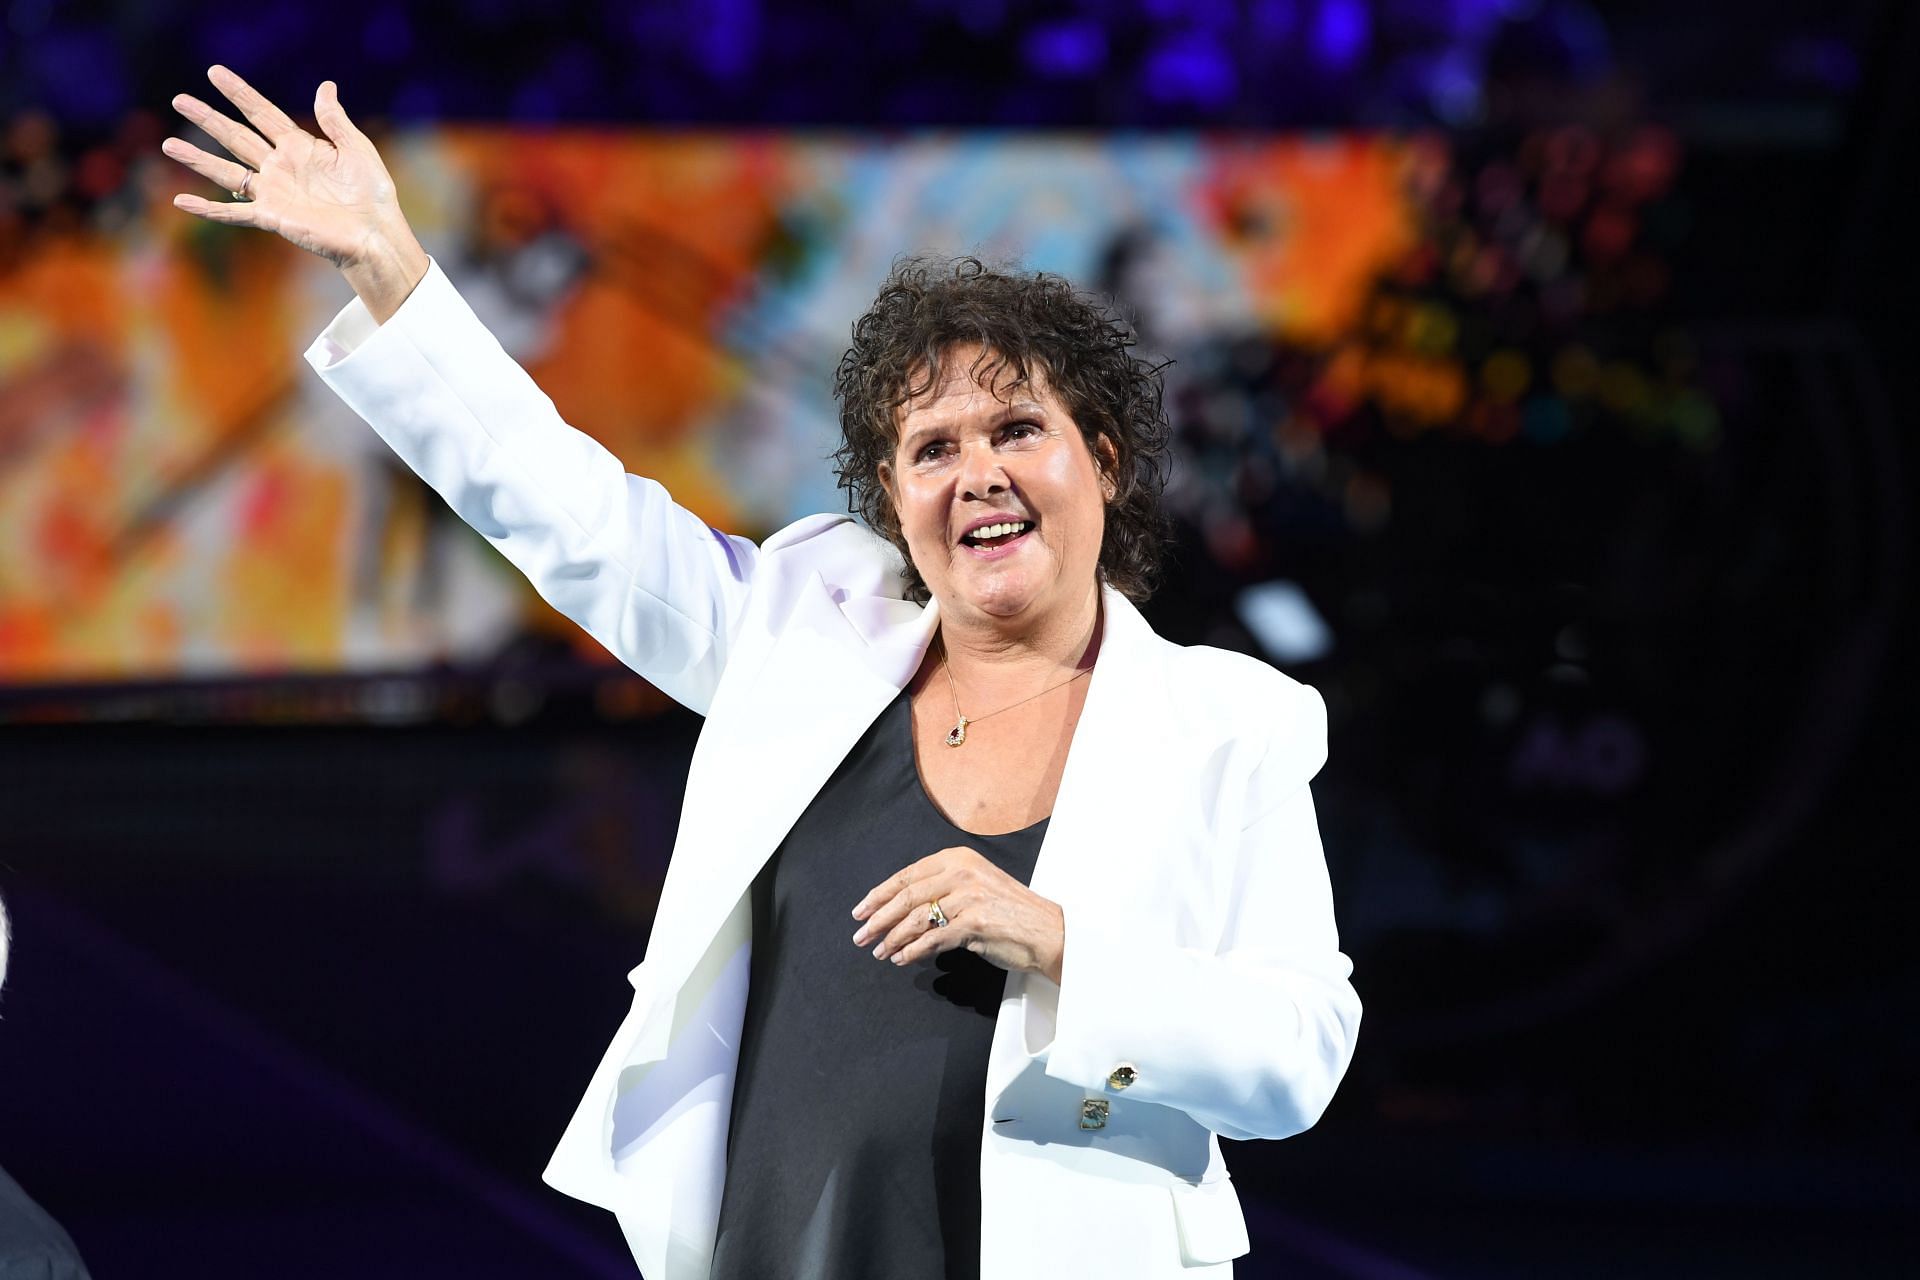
column 330, row 195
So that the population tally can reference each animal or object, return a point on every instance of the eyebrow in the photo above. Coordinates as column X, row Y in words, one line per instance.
column 1018, row 409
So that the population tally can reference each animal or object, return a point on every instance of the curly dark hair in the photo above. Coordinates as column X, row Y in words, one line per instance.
column 1023, row 322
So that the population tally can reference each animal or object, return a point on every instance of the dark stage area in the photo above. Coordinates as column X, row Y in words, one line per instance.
column 1541, row 393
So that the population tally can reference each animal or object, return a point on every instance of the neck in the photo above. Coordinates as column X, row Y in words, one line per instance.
column 991, row 660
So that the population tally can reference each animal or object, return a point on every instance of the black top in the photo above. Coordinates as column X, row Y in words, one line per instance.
column 855, row 1141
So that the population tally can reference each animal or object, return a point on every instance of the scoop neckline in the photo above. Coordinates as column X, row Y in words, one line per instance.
column 920, row 784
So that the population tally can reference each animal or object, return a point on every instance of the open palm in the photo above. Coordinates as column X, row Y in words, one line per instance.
column 330, row 195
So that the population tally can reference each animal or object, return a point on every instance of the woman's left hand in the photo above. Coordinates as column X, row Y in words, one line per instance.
column 988, row 912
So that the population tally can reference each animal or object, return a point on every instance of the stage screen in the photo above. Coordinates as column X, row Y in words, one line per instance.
column 181, row 497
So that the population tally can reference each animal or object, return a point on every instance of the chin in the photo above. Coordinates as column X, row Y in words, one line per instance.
column 1007, row 600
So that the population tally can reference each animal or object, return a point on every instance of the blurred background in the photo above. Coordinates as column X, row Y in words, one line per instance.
column 1541, row 398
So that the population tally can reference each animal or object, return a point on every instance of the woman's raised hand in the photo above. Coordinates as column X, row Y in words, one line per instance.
column 330, row 195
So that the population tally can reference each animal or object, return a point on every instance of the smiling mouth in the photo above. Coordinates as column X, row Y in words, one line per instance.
column 997, row 535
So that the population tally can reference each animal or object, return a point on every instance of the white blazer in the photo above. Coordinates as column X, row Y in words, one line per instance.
column 1200, row 942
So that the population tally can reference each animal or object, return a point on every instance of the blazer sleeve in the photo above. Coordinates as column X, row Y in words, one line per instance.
column 1251, row 1038
column 644, row 576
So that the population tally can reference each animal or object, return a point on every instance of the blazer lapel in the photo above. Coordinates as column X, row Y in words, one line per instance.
column 1078, row 865
column 1088, row 862
column 769, row 748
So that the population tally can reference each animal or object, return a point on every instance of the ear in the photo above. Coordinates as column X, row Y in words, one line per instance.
column 1106, row 457
column 884, row 474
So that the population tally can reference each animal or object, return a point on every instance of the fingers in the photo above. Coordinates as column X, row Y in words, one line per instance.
column 988, row 912
column 931, row 940
column 883, row 892
column 270, row 120
column 236, row 214
column 909, row 896
column 916, row 936
column 887, row 903
column 332, row 118
column 243, row 143
column 906, row 916
column 954, row 876
column 224, row 174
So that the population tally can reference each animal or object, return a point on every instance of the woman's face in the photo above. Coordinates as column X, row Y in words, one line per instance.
column 968, row 462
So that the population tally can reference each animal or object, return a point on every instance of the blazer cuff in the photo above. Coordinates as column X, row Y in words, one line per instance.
column 354, row 326
column 1079, row 1029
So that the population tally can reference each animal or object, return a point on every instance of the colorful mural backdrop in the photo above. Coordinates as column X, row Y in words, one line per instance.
column 180, row 496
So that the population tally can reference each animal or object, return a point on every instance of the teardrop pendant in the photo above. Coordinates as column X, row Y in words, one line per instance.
column 957, row 736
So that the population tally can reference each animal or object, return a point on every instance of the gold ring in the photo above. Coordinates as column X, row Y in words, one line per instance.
column 935, row 916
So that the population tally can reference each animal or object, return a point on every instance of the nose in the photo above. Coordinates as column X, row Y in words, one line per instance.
column 981, row 474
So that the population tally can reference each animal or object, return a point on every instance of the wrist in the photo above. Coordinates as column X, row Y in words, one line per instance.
column 387, row 269
column 1057, row 956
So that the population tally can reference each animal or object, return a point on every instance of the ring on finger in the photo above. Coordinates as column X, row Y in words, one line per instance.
column 246, row 185
column 935, row 916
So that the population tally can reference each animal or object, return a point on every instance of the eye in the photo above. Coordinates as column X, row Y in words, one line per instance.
column 1021, row 430
column 927, row 451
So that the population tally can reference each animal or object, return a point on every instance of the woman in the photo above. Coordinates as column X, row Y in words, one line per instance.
column 1090, row 924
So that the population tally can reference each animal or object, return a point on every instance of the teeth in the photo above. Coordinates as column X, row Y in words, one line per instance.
column 997, row 530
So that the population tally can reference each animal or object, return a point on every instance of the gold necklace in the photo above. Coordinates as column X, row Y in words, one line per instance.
column 957, row 736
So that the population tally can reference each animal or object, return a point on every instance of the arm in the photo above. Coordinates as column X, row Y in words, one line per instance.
column 645, row 577
column 1249, row 1039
